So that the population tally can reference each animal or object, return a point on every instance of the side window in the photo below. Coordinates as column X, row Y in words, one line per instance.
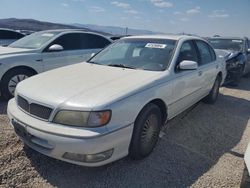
column 69, row 41
column 91, row 41
column 205, row 52
column 187, row 52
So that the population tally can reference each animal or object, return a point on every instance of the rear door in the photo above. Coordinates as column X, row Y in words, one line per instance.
column 208, row 65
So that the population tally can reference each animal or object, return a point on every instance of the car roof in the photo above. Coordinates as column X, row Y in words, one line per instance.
column 59, row 31
column 232, row 38
column 69, row 30
column 170, row 37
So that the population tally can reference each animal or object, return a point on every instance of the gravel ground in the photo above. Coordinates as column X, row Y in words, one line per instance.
column 202, row 147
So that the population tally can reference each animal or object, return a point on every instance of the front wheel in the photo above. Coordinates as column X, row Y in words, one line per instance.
column 10, row 81
column 213, row 94
column 146, row 132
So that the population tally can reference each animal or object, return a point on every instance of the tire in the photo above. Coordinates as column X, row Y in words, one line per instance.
column 213, row 94
column 10, row 81
column 146, row 132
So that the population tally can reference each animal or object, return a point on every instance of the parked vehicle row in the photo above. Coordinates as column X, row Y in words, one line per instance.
column 113, row 105
column 237, row 54
column 43, row 51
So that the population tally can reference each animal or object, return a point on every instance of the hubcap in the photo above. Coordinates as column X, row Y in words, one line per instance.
column 14, row 81
column 149, row 133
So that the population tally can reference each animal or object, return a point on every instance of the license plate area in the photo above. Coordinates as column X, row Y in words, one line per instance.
column 21, row 130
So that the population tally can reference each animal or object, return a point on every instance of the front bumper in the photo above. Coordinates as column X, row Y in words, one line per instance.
column 56, row 145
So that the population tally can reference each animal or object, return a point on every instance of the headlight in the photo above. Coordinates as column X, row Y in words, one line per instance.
column 83, row 119
column 232, row 63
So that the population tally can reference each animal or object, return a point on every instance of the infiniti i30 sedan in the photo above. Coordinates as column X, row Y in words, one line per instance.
column 43, row 51
column 114, row 105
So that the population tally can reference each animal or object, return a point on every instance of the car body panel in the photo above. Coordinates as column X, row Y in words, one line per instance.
column 98, row 90
column 52, row 60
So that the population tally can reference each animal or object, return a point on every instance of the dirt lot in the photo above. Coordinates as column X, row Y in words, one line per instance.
column 202, row 147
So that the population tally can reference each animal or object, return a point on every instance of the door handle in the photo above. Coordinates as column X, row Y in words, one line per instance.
column 217, row 66
column 200, row 73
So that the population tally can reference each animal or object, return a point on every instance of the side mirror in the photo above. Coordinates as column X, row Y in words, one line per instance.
column 248, row 50
column 92, row 55
column 188, row 65
column 55, row 48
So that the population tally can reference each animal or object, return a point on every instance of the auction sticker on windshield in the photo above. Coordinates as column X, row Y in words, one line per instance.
column 155, row 45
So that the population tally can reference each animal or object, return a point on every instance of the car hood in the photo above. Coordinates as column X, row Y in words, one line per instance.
column 228, row 54
column 9, row 50
column 85, row 85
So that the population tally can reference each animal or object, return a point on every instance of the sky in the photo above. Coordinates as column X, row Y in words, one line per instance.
column 201, row 17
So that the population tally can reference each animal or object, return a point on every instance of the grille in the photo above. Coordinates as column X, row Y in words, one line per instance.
column 23, row 103
column 34, row 109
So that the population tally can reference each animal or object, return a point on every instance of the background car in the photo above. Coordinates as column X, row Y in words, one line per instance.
column 95, row 113
column 43, row 51
column 8, row 36
column 237, row 54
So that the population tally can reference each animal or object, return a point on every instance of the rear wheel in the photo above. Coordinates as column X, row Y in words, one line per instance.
column 213, row 95
column 10, row 81
column 146, row 132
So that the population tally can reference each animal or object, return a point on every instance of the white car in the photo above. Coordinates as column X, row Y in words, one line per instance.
column 43, row 51
column 94, row 113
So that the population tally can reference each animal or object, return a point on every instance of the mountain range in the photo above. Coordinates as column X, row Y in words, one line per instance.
column 36, row 25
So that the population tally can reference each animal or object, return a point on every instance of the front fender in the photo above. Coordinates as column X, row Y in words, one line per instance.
column 26, row 60
column 125, row 111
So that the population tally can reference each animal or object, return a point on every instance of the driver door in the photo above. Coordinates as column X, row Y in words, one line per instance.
column 71, row 53
column 187, row 84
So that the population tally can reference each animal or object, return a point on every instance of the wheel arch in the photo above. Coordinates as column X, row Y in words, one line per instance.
column 20, row 67
column 220, row 75
column 161, row 105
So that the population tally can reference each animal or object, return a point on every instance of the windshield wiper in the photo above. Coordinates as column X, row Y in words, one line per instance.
column 121, row 65
column 93, row 62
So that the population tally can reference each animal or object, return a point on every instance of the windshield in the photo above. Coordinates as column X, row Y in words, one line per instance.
column 146, row 54
column 227, row 44
column 34, row 41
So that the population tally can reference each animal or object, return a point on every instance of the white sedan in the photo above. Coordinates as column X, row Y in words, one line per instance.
column 43, row 51
column 97, row 112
